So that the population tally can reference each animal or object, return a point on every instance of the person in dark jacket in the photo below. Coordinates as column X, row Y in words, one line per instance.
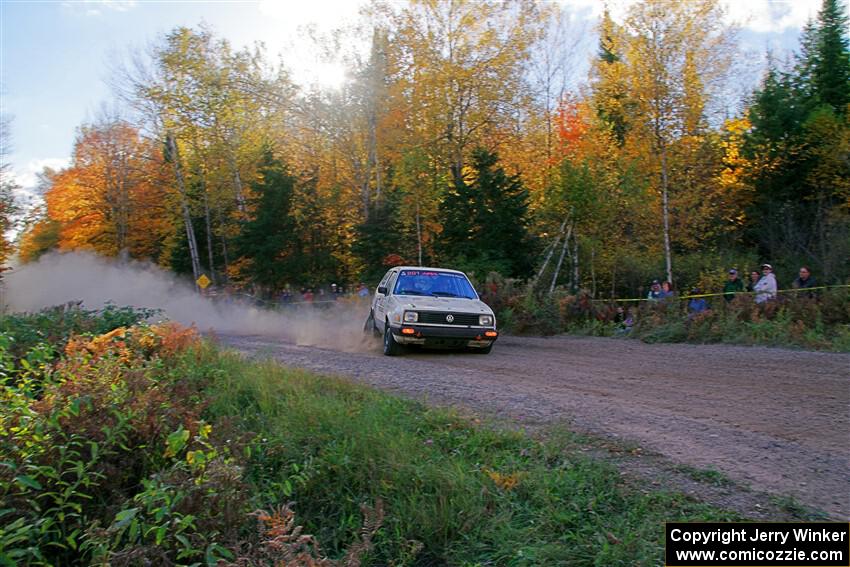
column 805, row 281
column 655, row 293
column 754, row 279
column 732, row 285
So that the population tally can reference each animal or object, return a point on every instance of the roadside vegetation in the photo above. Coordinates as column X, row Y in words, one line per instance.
column 793, row 320
column 123, row 443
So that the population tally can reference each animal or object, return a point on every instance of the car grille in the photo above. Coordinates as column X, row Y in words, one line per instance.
column 439, row 318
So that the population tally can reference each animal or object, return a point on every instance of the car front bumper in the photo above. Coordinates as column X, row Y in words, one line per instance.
column 438, row 335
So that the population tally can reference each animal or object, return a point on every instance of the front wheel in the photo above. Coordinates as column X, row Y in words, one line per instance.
column 369, row 326
column 391, row 347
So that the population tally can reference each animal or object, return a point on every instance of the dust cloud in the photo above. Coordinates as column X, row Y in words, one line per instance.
column 59, row 278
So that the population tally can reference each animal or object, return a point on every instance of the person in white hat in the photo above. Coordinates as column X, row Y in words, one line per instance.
column 766, row 287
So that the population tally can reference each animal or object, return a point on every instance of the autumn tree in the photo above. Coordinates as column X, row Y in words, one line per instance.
column 611, row 96
column 111, row 199
column 39, row 235
column 8, row 206
column 675, row 54
column 212, row 108
column 462, row 65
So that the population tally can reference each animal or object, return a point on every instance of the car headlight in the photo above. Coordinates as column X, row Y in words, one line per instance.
column 485, row 320
column 411, row 316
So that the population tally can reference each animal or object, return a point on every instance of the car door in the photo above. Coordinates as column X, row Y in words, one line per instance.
column 379, row 307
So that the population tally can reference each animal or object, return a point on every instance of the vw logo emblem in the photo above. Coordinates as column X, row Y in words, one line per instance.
column 450, row 317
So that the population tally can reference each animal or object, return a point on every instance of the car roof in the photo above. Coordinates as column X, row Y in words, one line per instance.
column 424, row 268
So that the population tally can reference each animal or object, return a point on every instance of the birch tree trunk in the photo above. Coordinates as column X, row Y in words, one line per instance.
column 560, row 259
column 592, row 270
column 665, row 204
column 576, row 274
column 418, row 233
column 548, row 257
column 209, row 232
column 237, row 181
column 171, row 145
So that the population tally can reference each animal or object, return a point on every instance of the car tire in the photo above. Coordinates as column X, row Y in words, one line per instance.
column 369, row 327
column 391, row 348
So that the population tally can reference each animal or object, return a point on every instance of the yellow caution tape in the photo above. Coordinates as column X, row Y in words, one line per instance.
column 795, row 290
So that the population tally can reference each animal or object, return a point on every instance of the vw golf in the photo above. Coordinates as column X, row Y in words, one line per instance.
column 430, row 307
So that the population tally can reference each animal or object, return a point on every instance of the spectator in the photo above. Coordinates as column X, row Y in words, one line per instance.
column 624, row 321
column 732, row 285
column 697, row 304
column 766, row 287
column 754, row 279
column 362, row 290
column 805, row 281
column 667, row 290
column 308, row 295
column 655, row 293
column 286, row 295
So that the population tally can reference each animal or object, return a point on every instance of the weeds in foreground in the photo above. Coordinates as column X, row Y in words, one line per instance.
column 143, row 444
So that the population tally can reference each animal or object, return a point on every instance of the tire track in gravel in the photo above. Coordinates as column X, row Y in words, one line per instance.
column 778, row 420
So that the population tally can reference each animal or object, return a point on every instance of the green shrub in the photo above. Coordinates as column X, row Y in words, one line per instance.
column 80, row 435
column 55, row 325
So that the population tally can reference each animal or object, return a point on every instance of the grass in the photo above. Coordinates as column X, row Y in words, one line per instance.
column 153, row 446
column 454, row 491
column 793, row 507
column 706, row 476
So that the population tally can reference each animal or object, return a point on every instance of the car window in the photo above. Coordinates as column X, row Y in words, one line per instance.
column 433, row 283
column 385, row 278
column 391, row 282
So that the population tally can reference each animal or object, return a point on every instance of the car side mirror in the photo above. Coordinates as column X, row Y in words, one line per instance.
column 382, row 290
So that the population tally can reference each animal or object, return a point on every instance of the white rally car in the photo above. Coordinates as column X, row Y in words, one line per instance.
column 430, row 307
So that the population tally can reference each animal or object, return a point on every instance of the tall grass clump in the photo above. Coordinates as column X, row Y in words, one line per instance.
column 452, row 491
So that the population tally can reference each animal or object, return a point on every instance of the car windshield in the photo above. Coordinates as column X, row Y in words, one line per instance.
column 434, row 284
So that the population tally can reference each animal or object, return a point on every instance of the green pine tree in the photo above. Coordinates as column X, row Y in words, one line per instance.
column 270, row 240
column 378, row 237
column 484, row 221
column 831, row 59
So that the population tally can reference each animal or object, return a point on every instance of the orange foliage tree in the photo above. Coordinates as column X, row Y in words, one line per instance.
column 113, row 198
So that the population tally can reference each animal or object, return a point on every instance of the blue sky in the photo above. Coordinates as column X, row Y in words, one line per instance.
column 55, row 57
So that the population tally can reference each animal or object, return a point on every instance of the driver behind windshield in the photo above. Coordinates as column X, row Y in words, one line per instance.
column 433, row 284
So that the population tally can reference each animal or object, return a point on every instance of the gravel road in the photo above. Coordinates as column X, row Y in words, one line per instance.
column 777, row 420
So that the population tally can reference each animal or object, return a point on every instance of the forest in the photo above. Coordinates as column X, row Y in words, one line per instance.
column 458, row 141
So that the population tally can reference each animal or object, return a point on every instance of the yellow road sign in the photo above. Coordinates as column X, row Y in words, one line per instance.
column 203, row 281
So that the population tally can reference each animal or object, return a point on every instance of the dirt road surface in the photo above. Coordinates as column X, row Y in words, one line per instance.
column 776, row 420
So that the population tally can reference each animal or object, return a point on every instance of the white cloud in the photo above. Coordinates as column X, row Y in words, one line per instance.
column 27, row 177
column 295, row 22
column 324, row 13
column 763, row 16
column 771, row 16
column 93, row 7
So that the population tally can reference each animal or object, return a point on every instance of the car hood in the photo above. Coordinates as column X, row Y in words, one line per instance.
column 456, row 304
